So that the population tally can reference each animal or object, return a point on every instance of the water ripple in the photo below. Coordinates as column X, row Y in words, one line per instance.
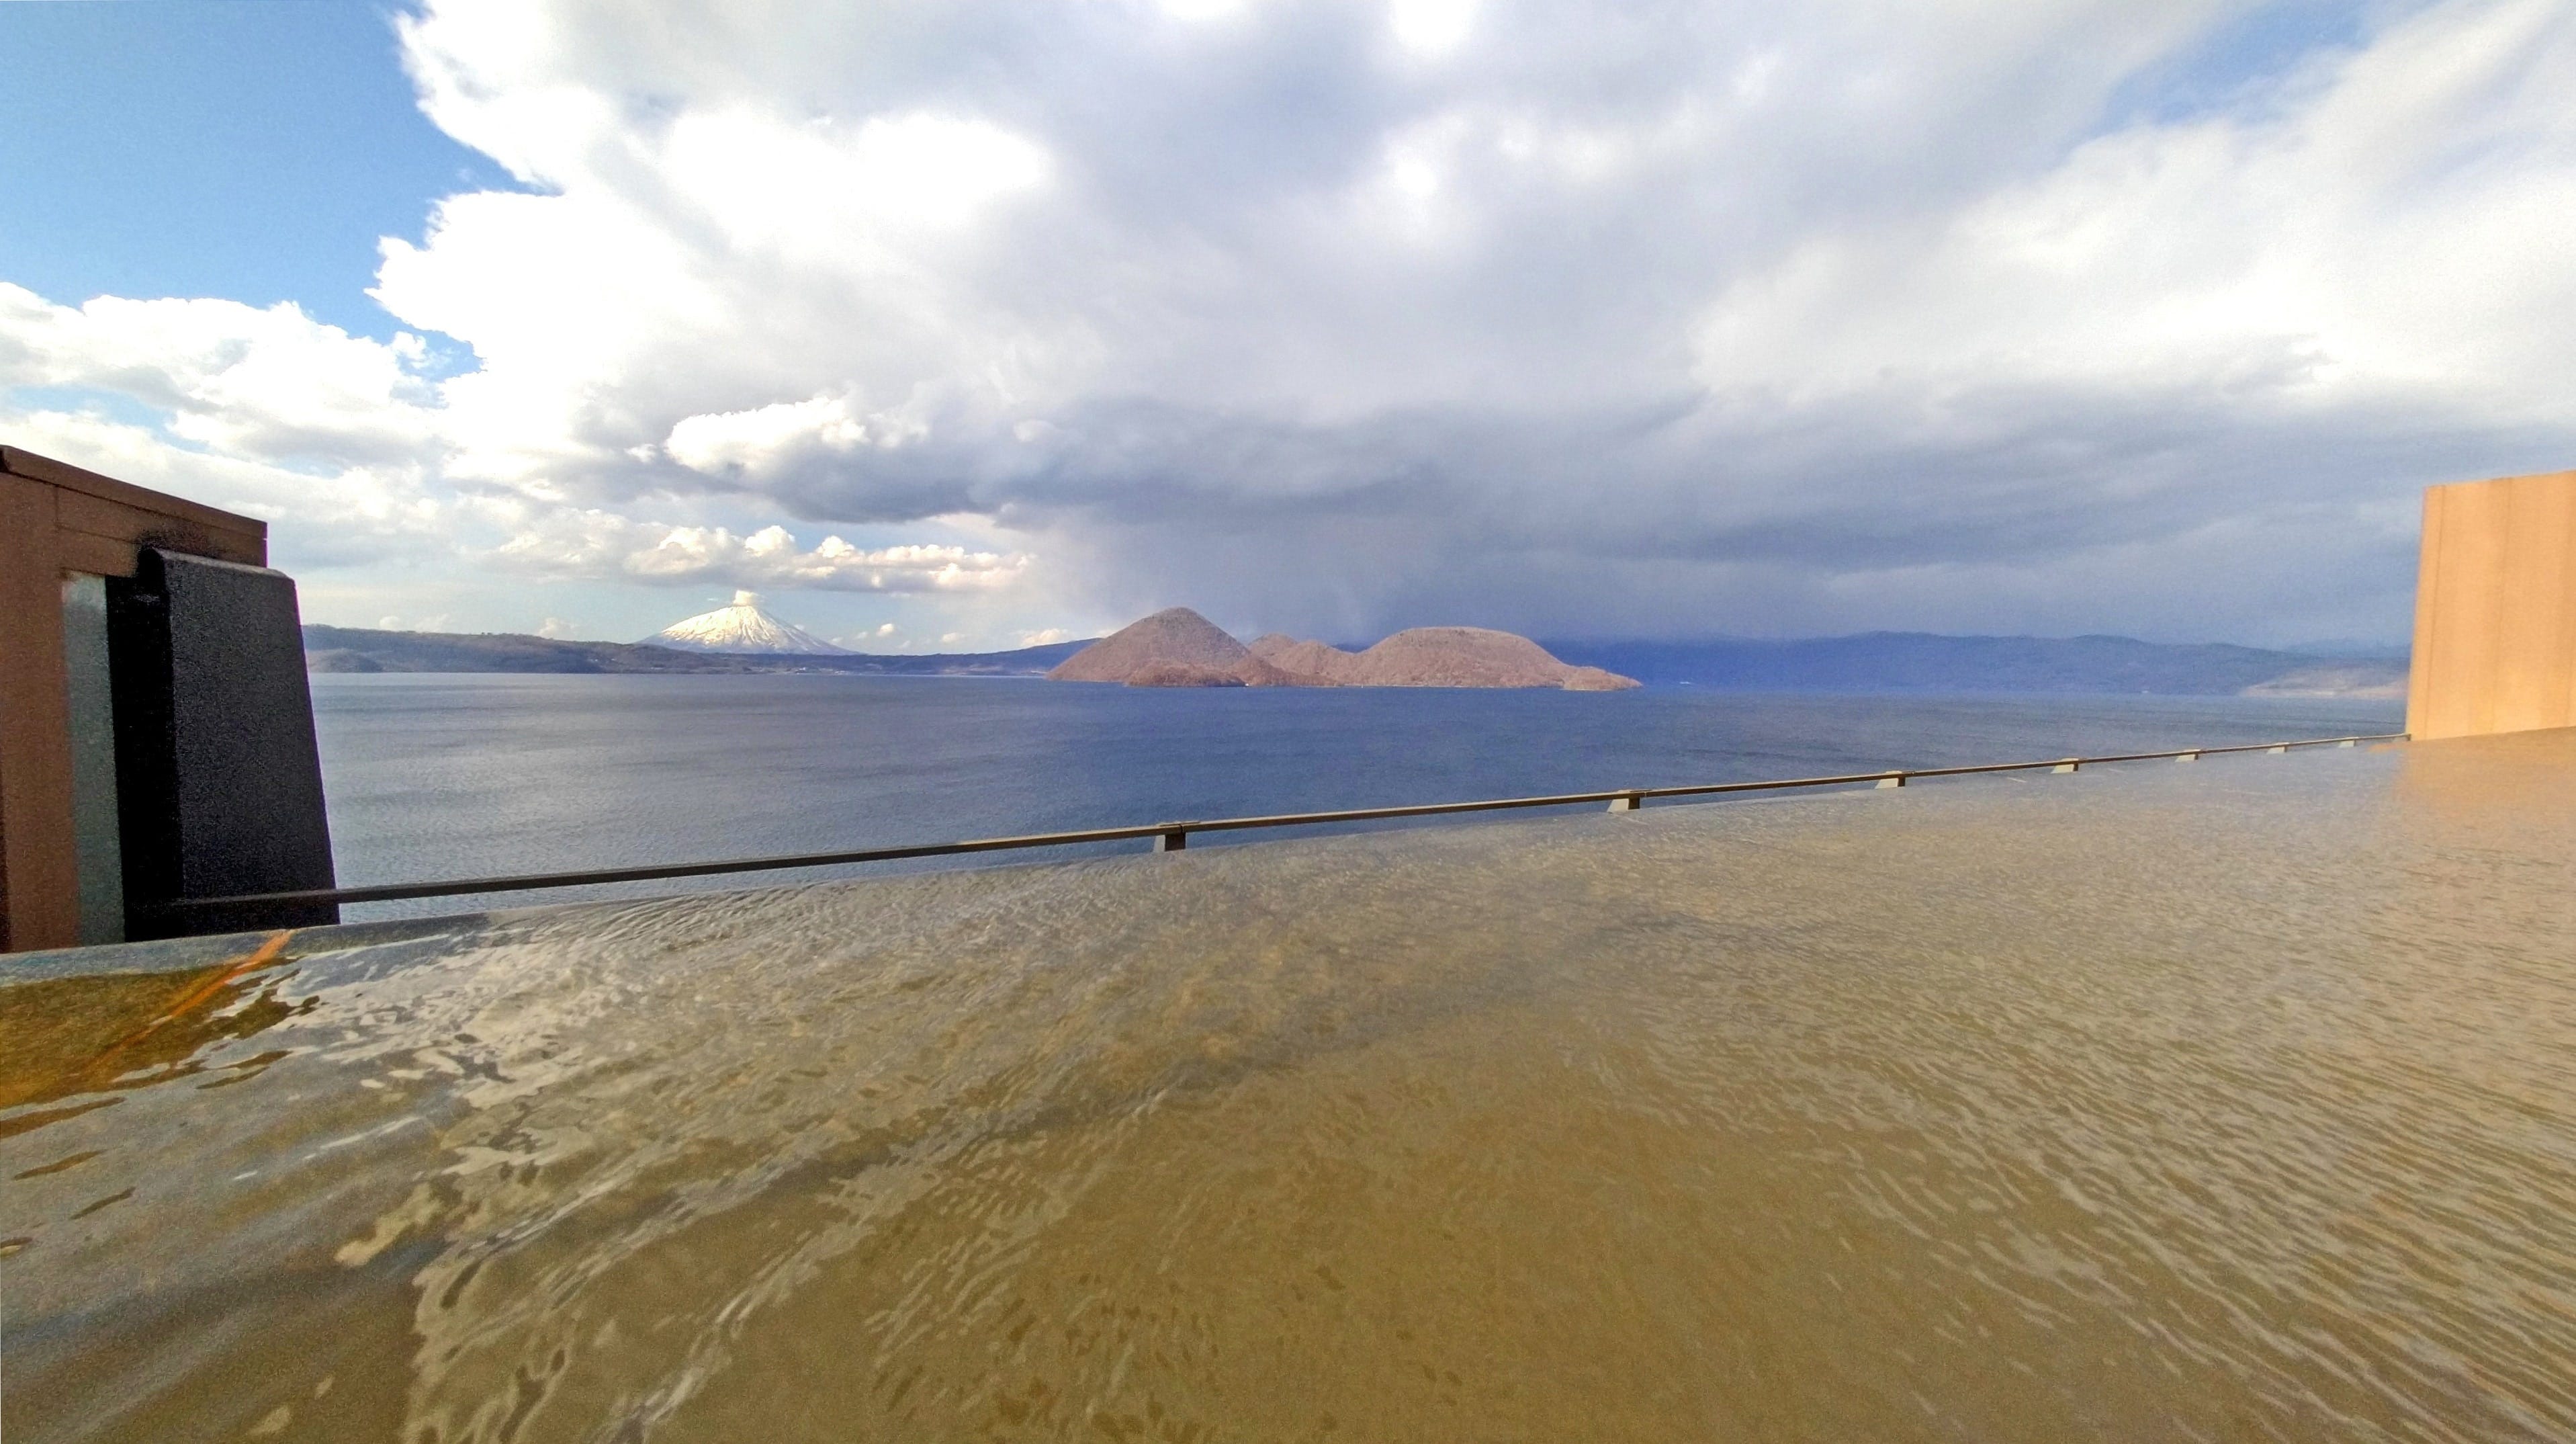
column 2229, row 1102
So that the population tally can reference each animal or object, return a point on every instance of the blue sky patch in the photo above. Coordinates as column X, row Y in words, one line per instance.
column 250, row 151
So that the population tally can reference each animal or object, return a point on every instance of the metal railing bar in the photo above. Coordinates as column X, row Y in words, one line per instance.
column 1173, row 834
column 530, row 882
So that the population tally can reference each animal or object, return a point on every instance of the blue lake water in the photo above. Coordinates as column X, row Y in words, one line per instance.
column 443, row 776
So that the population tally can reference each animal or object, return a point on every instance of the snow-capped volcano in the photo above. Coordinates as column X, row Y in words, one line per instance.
column 742, row 627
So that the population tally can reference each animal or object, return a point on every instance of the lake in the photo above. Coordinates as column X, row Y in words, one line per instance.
column 444, row 776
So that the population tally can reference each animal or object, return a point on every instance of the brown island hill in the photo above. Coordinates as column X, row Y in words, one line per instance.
column 1179, row 648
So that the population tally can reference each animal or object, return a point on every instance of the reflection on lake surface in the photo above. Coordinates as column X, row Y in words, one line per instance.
column 2228, row 1100
column 441, row 776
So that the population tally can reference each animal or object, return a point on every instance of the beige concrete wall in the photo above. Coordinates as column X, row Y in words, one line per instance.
column 2495, row 608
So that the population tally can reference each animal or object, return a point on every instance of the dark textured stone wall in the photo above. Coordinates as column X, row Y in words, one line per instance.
column 219, row 782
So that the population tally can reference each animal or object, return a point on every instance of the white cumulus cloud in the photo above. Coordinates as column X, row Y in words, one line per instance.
column 1344, row 316
column 268, row 382
column 601, row 545
column 763, row 442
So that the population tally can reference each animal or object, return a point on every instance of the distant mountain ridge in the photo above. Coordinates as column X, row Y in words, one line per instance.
column 1870, row 662
column 358, row 649
column 1929, row 662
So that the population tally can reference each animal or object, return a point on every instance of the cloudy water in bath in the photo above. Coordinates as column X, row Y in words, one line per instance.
column 447, row 776
column 2226, row 1102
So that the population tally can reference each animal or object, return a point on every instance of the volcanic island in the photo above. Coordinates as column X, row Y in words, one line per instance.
column 1179, row 648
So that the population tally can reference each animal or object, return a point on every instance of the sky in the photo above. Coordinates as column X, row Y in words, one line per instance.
column 962, row 325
